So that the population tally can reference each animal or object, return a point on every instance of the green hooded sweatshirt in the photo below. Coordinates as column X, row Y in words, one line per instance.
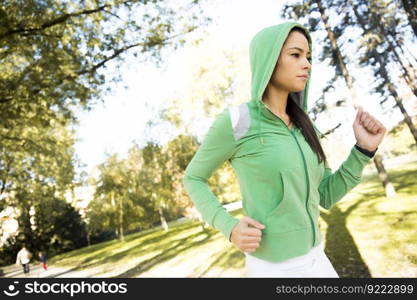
column 281, row 180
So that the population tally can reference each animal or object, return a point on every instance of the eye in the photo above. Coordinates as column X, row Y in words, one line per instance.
column 298, row 55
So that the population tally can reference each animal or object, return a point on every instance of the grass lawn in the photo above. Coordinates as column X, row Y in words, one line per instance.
column 369, row 235
column 366, row 235
column 186, row 250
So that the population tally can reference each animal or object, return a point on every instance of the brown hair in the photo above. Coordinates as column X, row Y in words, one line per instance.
column 302, row 120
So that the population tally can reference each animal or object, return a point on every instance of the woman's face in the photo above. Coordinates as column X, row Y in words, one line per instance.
column 292, row 63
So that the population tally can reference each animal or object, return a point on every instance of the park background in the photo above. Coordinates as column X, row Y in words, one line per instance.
column 104, row 103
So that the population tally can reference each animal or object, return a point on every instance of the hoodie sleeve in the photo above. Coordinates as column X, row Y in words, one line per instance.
column 335, row 185
column 217, row 147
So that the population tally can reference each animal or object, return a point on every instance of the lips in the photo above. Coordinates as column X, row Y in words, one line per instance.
column 303, row 76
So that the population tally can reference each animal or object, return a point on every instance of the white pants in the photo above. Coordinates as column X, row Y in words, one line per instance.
column 313, row 264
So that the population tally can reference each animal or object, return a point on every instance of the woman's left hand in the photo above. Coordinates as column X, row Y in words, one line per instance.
column 369, row 132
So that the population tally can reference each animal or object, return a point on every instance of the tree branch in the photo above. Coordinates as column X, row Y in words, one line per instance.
column 121, row 50
column 332, row 130
column 56, row 21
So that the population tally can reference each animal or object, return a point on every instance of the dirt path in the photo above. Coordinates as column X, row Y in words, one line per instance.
column 36, row 271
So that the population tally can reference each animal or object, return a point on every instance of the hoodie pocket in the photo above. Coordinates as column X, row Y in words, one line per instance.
column 290, row 214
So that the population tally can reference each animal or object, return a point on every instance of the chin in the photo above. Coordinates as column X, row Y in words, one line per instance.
column 298, row 89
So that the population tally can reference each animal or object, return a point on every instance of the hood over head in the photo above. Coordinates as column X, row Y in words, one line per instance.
column 264, row 52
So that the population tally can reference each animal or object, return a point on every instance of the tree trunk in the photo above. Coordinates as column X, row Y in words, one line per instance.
column 338, row 55
column 410, row 7
column 408, row 72
column 397, row 99
column 163, row 221
column 383, row 176
column 122, row 236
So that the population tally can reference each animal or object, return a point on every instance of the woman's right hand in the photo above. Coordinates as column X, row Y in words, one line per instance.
column 247, row 234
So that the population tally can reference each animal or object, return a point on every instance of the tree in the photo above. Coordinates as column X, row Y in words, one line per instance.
column 54, row 56
column 115, row 204
column 375, row 39
column 47, row 223
column 26, row 166
column 55, row 53
column 58, row 57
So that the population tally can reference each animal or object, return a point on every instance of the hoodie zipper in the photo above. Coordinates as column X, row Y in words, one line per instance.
column 308, row 188
column 305, row 171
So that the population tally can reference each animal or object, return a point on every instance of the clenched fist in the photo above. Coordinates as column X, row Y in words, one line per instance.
column 247, row 234
column 368, row 131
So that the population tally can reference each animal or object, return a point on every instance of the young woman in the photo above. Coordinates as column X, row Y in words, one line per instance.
column 274, row 148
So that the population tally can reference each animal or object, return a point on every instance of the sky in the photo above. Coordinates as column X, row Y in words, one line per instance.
column 112, row 127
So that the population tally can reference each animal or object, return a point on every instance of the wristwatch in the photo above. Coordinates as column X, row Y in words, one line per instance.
column 366, row 152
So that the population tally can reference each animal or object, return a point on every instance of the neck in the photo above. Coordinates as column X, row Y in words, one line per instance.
column 276, row 100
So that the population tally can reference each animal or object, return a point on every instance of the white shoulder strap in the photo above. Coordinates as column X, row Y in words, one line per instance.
column 240, row 118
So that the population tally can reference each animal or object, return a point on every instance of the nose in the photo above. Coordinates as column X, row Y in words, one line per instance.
column 307, row 65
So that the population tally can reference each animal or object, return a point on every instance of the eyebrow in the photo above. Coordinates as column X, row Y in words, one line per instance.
column 299, row 49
